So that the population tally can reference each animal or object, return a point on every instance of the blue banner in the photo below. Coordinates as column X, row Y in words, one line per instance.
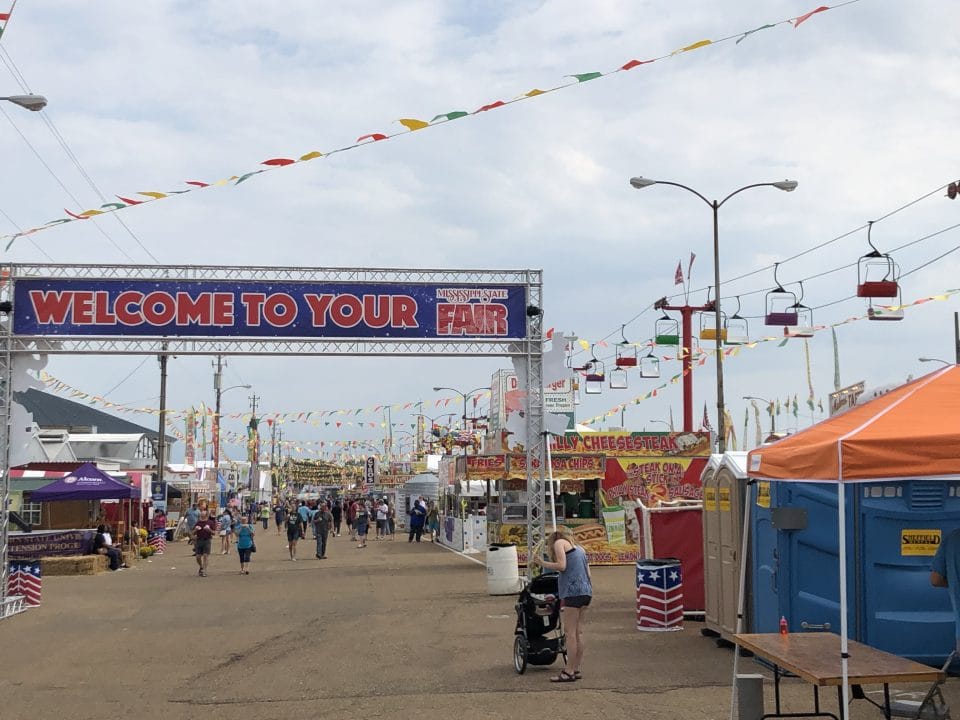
column 183, row 308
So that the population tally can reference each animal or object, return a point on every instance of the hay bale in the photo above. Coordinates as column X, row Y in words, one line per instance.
column 74, row 565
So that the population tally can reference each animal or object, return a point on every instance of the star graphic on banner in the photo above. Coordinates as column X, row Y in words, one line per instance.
column 640, row 575
column 654, row 575
column 674, row 575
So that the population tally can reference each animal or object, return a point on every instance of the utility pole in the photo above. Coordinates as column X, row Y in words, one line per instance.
column 162, row 438
column 216, row 417
column 255, row 450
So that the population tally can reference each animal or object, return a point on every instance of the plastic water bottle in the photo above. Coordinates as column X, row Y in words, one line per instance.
column 783, row 626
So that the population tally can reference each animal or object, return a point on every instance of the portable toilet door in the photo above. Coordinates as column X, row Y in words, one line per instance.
column 764, row 559
column 901, row 525
column 731, row 484
column 711, row 544
column 808, row 581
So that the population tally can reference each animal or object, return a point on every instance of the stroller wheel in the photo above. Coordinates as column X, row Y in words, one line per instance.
column 520, row 648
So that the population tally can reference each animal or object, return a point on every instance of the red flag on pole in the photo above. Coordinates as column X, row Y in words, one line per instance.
column 678, row 276
column 706, row 419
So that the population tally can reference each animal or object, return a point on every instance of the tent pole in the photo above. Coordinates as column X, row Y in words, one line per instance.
column 844, row 654
column 742, row 590
column 553, row 498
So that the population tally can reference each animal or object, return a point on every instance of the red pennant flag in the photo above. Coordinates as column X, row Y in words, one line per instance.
column 635, row 63
column 549, row 334
column 803, row 18
column 678, row 275
column 4, row 17
column 693, row 256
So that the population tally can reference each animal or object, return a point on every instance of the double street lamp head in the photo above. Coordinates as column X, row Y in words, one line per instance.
column 29, row 102
column 786, row 185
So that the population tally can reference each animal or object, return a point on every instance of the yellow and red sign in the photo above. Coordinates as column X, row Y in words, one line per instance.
column 634, row 444
column 486, row 467
column 563, row 467
column 654, row 479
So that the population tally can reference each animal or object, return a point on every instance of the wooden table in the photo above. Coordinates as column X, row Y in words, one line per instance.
column 815, row 657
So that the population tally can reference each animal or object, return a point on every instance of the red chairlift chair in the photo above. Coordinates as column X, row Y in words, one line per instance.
column 877, row 274
column 595, row 375
column 736, row 328
column 626, row 353
column 780, row 304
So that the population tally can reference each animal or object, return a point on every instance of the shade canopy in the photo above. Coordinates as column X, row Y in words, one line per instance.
column 910, row 432
column 87, row 482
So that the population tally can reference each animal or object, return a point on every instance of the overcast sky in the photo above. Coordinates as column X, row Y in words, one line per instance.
column 858, row 104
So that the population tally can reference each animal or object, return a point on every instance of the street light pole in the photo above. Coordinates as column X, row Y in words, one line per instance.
column 217, row 377
column 785, row 185
column 464, row 395
column 773, row 422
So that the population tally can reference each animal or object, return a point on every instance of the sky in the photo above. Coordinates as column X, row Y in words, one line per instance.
column 857, row 104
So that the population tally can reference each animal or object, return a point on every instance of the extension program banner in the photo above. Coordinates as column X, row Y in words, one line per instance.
column 184, row 308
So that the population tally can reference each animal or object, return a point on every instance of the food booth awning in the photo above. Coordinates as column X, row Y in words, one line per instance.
column 87, row 482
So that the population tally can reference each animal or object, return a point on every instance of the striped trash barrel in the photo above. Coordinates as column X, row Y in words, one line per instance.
column 158, row 539
column 24, row 578
column 659, row 595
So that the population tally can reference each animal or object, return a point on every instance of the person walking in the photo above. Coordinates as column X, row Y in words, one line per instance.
column 337, row 512
column 203, row 533
column 322, row 522
column 245, row 543
column 193, row 514
column 382, row 511
column 433, row 521
column 352, row 508
column 360, row 524
column 264, row 515
column 279, row 514
column 418, row 515
column 391, row 520
column 294, row 533
column 575, row 592
column 226, row 527
column 304, row 514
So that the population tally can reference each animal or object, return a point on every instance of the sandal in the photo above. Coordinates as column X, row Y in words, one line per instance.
column 578, row 675
column 563, row 677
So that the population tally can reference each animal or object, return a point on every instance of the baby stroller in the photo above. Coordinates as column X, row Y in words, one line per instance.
column 538, row 637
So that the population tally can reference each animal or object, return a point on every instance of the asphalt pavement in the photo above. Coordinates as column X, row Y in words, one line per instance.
column 394, row 630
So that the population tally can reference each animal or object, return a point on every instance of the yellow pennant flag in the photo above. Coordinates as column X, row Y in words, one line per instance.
column 412, row 124
column 688, row 48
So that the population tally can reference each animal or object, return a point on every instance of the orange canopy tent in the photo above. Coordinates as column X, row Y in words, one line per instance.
column 911, row 432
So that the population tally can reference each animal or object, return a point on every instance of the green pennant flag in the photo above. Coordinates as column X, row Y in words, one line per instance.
column 451, row 115
column 584, row 77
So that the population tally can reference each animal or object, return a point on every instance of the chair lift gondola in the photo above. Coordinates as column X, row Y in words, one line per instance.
column 737, row 328
column 804, row 327
column 649, row 366
column 667, row 331
column 780, row 304
column 626, row 353
column 877, row 274
column 595, row 375
column 708, row 322
column 886, row 313
column 618, row 379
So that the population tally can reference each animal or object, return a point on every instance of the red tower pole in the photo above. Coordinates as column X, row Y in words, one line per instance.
column 686, row 348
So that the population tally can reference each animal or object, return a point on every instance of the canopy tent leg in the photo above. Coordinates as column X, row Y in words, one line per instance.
column 552, row 494
column 742, row 592
column 844, row 647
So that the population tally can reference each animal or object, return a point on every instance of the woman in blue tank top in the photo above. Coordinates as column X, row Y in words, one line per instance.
column 576, row 591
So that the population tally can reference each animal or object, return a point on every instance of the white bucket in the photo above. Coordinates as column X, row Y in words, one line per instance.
column 503, row 575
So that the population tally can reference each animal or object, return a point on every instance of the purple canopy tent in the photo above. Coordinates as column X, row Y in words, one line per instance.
column 87, row 482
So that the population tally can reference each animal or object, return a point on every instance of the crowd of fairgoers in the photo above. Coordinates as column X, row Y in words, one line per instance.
column 322, row 519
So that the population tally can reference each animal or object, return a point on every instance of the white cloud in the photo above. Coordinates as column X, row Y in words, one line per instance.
column 858, row 105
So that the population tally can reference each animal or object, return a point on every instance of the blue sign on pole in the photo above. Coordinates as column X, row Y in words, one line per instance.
column 185, row 308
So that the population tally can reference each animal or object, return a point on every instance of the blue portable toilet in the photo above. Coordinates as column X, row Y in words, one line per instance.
column 893, row 529
column 895, row 458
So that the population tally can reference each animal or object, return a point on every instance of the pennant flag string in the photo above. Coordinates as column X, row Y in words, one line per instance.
column 409, row 125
